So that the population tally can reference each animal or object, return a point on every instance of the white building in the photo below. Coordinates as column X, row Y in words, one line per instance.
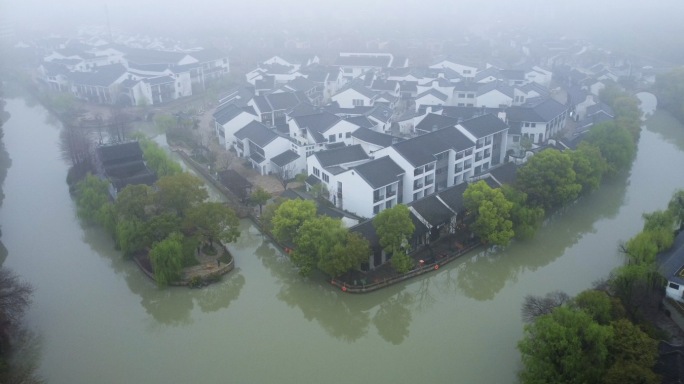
column 228, row 120
column 260, row 144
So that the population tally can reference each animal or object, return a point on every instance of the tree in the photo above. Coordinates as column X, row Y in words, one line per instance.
column 167, row 259
column 130, row 236
column 676, row 208
column 596, row 304
column 159, row 227
column 285, row 174
column 632, row 346
column 213, row 221
column 535, row 306
column 492, row 211
column 179, row 192
column 669, row 88
column 616, row 145
column 290, row 216
column 526, row 219
column 589, row 166
column 259, row 197
column 394, row 227
column 316, row 237
column 134, row 200
column 345, row 256
column 92, row 194
column 565, row 346
column 15, row 298
column 164, row 122
column 549, row 180
column 157, row 159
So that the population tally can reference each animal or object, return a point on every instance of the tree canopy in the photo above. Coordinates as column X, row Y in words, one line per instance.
column 167, row 259
column 492, row 213
column 179, row 192
column 549, row 179
column 290, row 216
column 394, row 227
column 615, row 143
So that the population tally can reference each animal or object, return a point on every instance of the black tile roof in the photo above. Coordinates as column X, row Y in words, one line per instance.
column 119, row 153
column 465, row 113
column 485, row 125
column 506, row 173
column 376, row 138
column 257, row 133
column 433, row 210
column 671, row 261
column 278, row 101
column 337, row 156
column 379, row 172
column 433, row 122
column 543, row 111
column 364, row 61
column 285, row 158
column 104, row 76
column 159, row 80
column 318, row 122
column 421, row 150
column 453, row 197
column 227, row 113
column 367, row 230
column 361, row 121
column 434, row 93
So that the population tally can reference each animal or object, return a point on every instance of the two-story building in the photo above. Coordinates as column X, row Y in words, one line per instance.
column 259, row 145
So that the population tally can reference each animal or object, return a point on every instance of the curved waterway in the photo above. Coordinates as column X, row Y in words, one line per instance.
column 100, row 320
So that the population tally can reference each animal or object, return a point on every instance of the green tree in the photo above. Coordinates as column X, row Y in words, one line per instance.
column 632, row 346
column 669, row 88
column 267, row 216
column 289, row 216
column 589, row 166
column 160, row 227
column 345, row 256
column 625, row 373
column 676, row 208
column 316, row 237
column 167, row 259
column 526, row 219
column 616, row 145
column 157, row 159
column 130, row 236
column 134, row 200
column 565, row 346
column 492, row 211
column 595, row 303
column 92, row 194
column 642, row 248
column 549, row 180
column 394, row 227
column 628, row 115
column 259, row 197
column 213, row 221
column 179, row 192
column 164, row 122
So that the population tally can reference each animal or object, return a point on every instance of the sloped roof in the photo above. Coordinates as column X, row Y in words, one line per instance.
column 361, row 121
column 159, row 80
column 433, row 122
column 343, row 155
column 433, row 210
column 373, row 137
column 505, row 173
column 495, row 86
column 120, row 152
column 600, row 107
column 433, row 92
column 381, row 113
column 453, row 197
column 318, row 122
column 227, row 113
column 379, row 172
column 484, row 125
column 464, row 113
column 364, row 61
column 257, row 133
column 421, row 150
column 384, row 85
column 543, row 111
column 104, row 76
column 278, row 101
column 285, row 158
column 671, row 261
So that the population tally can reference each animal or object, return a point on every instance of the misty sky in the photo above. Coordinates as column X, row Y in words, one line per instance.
column 621, row 19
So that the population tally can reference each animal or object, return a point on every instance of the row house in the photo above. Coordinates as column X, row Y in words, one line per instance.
column 316, row 131
column 354, row 65
column 259, row 145
column 228, row 120
column 100, row 86
column 537, row 122
column 273, row 108
column 464, row 69
column 372, row 141
column 355, row 95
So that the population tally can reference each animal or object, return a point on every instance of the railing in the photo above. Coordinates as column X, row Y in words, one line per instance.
column 479, row 145
column 378, row 198
column 478, row 157
column 391, row 193
column 419, row 270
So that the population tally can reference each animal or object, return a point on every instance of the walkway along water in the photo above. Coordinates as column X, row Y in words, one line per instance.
column 102, row 321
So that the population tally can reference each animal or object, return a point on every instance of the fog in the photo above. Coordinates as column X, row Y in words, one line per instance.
column 617, row 19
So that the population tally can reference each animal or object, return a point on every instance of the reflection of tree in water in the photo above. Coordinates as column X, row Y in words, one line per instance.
column 393, row 318
column 26, row 354
column 665, row 124
column 167, row 306
column 482, row 276
column 220, row 295
column 423, row 297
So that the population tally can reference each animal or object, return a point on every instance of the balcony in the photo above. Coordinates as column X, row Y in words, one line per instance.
column 377, row 198
column 480, row 144
column 429, row 181
column 391, row 193
column 488, row 141
column 478, row 157
column 459, row 155
column 467, row 166
column 487, row 153
column 429, row 167
column 458, row 169
column 417, row 185
column 469, row 152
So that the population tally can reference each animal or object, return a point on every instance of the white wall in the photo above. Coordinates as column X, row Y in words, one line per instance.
column 493, row 99
column 346, row 97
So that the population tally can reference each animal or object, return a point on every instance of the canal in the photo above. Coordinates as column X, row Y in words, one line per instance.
column 100, row 320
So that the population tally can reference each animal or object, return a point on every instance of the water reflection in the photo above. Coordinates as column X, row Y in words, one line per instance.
column 393, row 318
column 171, row 306
column 667, row 127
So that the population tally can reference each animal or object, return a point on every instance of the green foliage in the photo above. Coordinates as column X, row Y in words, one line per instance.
column 213, row 221
column 259, row 197
column 549, row 180
column 526, row 219
column 589, row 166
column 180, row 192
column 92, row 194
column 401, row 261
column 133, row 201
column 394, row 227
column 315, row 240
column 345, row 256
column 669, row 88
column 624, row 373
column 167, row 259
column 676, row 208
column 565, row 346
column 628, row 115
column 130, row 236
column 596, row 304
column 658, row 220
column 630, row 345
column 492, row 211
column 289, row 216
column 268, row 214
column 158, row 160
column 159, row 227
column 615, row 143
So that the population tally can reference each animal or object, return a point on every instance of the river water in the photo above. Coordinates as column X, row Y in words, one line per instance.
column 100, row 320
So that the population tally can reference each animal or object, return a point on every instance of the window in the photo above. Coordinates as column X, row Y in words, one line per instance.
column 388, row 204
column 527, row 125
column 348, row 135
column 326, row 178
column 466, row 71
column 316, row 172
column 418, row 171
column 533, row 125
column 471, row 96
column 376, row 209
column 673, row 286
column 416, row 196
column 462, row 95
column 339, row 136
column 357, row 102
column 331, row 138
column 516, row 139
